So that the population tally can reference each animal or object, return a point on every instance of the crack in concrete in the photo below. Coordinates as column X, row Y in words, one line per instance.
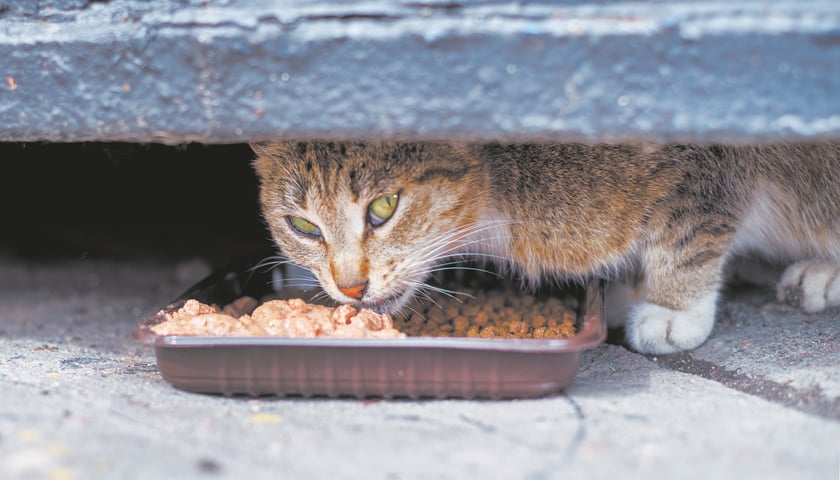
column 484, row 427
column 580, row 432
column 811, row 400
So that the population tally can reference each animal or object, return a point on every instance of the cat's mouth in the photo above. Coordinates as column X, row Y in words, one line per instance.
column 389, row 304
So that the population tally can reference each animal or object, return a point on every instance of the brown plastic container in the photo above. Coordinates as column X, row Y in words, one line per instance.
column 411, row 367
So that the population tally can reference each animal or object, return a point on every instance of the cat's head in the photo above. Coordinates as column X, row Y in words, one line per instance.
column 370, row 220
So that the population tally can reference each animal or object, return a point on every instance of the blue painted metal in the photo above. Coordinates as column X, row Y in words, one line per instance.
column 229, row 71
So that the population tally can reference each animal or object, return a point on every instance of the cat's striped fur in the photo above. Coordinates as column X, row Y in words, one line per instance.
column 668, row 215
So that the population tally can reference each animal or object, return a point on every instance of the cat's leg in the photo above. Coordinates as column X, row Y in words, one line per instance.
column 678, row 312
column 813, row 285
column 621, row 294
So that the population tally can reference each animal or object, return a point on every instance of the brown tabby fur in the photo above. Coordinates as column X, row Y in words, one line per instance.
column 669, row 215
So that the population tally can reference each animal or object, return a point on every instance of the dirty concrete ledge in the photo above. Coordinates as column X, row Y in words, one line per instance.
column 232, row 71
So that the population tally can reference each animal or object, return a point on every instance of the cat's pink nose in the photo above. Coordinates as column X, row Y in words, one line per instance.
column 356, row 291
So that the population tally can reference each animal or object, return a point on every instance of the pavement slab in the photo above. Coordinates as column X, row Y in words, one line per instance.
column 80, row 399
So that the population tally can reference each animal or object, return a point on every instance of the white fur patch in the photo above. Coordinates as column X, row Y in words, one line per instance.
column 769, row 227
column 812, row 284
column 656, row 329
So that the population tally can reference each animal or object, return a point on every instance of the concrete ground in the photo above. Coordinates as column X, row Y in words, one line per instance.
column 79, row 399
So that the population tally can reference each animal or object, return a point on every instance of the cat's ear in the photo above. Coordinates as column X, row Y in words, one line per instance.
column 261, row 149
column 266, row 160
column 270, row 149
column 270, row 155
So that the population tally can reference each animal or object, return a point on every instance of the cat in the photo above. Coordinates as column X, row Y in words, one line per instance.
column 372, row 220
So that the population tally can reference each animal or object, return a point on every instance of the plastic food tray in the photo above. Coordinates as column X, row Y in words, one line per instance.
column 412, row 367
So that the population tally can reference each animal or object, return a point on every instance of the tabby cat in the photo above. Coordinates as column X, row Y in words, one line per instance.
column 374, row 220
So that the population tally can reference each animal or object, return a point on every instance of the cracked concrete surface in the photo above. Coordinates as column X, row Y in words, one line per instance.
column 81, row 399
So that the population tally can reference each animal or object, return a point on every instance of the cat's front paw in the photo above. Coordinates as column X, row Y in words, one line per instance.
column 656, row 329
column 810, row 284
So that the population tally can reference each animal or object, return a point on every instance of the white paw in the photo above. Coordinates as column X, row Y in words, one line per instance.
column 656, row 329
column 811, row 284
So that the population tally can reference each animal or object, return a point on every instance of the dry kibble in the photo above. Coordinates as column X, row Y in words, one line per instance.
column 555, row 306
column 495, row 302
column 460, row 323
column 492, row 313
column 436, row 316
column 487, row 332
column 519, row 327
column 481, row 318
column 510, row 314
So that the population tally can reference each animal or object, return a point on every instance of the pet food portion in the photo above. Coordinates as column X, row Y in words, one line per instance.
column 283, row 318
column 491, row 313
column 472, row 311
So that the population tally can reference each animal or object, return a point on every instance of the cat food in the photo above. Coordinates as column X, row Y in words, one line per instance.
column 491, row 313
column 472, row 312
column 284, row 318
column 415, row 367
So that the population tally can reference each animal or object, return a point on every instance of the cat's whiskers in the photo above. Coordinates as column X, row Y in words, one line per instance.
column 464, row 269
column 448, row 247
column 469, row 256
column 429, row 264
column 319, row 296
column 301, row 282
column 406, row 315
column 453, row 235
column 461, row 233
column 429, row 259
column 422, row 296
column 421, row 292
column 443, row 291
column 268, row 263
column 456, row 265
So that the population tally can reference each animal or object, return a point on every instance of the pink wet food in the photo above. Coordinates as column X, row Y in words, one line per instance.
column 282, row 318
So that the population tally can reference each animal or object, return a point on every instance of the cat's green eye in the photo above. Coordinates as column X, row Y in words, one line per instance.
column 382, row 208
column 304, row 226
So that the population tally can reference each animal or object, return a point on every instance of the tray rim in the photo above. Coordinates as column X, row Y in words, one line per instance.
column 593, row 331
